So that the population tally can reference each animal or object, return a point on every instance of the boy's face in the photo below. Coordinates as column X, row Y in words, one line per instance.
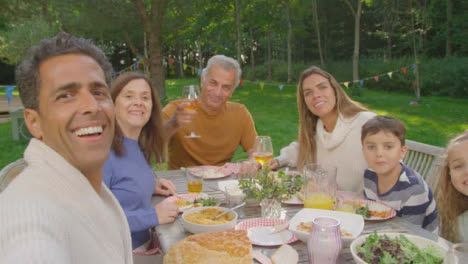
column 458, row 165
column 383, row 152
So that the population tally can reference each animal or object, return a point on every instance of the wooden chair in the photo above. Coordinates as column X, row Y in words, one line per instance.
column 10, row 171
column 426, row 160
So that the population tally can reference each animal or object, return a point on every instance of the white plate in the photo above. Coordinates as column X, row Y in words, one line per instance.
column 259, row 231
column 351, row 223
column 261, row 235
column 441, row 247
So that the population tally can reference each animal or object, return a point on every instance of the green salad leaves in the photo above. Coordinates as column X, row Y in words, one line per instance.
column 382, row 249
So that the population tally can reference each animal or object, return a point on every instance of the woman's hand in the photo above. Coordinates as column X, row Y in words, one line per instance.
column 167, row 211
column 274, row 164
column 164, row 187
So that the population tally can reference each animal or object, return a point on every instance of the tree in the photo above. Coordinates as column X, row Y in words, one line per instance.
column 152, row 21
column 356, row 11
column 317, row 31
column 448, row 46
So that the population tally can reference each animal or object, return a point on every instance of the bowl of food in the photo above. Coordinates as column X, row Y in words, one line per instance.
column 399, row 248
column 199, row 220
column 351, row 224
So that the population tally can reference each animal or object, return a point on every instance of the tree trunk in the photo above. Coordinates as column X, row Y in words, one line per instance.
column 181, row 62
column 252, row 54
column 238, row 27
column 152, row 25
column 130, row 44
column 269, row 54
column 357, row 26
column 200, row 58
column 289, row 43
column 415, row 50
column 448, row 46
column 317, row 31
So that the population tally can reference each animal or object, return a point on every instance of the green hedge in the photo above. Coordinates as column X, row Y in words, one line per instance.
column 438, row 76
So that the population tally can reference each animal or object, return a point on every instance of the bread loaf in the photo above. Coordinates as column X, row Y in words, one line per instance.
column 223, row 247
column 285, row 255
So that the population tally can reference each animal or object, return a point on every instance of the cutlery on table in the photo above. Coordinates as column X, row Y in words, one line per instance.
column 279, row 227
column 227, row 211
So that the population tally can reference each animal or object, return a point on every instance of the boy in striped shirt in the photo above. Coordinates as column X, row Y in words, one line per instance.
column 389, row 180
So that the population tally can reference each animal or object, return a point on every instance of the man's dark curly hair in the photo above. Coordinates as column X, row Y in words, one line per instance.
column 27, row 72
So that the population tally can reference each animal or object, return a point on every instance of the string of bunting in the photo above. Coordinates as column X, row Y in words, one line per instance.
column 170, row 61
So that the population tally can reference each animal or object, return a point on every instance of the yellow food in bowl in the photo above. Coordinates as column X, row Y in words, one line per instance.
column 204, row 217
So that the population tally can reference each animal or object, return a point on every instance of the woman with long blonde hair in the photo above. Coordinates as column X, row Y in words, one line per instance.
column 329, row 129
column 452, row 196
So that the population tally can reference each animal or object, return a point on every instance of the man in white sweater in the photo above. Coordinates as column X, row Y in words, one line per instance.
column 57, row 210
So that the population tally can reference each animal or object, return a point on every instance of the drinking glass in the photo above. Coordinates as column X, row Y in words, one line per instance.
column 194, row 180
column 457, row 254
column 320, row 186
column 191, row 93
column 324, row 243
column 263, row 149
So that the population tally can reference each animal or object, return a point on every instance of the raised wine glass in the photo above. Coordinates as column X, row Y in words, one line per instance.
column 192, row 94
column 263, row 150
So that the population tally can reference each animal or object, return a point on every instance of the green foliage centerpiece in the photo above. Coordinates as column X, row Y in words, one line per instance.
column 270, row 189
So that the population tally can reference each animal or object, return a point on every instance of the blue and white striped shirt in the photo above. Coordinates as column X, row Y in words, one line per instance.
column 411, row 197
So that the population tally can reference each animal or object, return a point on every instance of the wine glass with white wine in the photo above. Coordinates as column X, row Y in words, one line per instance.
column 263, row 150
column 192, row 94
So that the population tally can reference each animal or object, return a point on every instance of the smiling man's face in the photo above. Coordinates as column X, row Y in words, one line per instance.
column 76, row 113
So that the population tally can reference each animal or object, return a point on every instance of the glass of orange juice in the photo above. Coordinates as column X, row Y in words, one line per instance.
column 320, row 186
column 194, row 177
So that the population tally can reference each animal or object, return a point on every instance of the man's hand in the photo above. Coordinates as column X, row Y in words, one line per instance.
column 164, row 187
column 167, row 211
column 180, row 118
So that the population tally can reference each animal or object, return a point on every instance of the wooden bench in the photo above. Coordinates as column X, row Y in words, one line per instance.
column 426, row 159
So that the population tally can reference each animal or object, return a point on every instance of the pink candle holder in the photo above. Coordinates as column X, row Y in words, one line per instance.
column 324, row 244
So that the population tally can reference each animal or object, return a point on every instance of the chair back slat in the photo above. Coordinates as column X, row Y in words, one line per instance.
column 10, row 171
column 426, row 160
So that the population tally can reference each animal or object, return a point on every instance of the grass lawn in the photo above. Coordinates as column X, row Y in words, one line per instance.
column 434, row 121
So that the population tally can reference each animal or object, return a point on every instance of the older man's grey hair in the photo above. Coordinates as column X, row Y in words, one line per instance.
column 227, row 63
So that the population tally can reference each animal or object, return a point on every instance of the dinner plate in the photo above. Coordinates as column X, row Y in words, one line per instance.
column 189, row 197
column 214, row 172
column 352, row 224
column 259, row 232
column 378, row 206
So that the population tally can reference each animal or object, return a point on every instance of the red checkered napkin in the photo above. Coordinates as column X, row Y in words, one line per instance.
column 383, row 206
column 256, row 222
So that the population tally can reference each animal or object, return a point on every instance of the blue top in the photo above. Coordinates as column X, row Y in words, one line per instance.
column 411, row 197
column 131, row 179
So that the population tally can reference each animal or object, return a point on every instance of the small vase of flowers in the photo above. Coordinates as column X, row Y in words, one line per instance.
column 270, row 189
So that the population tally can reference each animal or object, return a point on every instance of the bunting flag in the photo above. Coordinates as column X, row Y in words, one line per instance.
column 262, row 84
column 137, row 65
column 346, row 84
column 199, row 72
column 390, row 74
column 415, row 84
column 241, row 82
column 184, row 66
column 376, row 78
column 413, row 67
column 171, row 62
column 403, row 70
column 361, row 82
column 9, row 93
column 281, row 87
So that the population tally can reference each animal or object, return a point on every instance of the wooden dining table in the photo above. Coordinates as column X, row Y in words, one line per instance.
column 173, row 232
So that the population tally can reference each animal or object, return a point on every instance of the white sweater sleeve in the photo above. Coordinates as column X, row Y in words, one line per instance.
column 288, row 155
